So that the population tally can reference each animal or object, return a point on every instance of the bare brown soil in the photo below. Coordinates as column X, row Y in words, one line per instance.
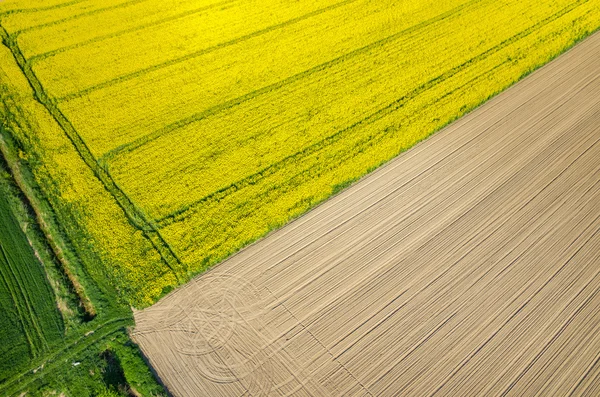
column 469, row 265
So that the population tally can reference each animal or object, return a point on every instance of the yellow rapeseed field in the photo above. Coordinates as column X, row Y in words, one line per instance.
column 169, row 134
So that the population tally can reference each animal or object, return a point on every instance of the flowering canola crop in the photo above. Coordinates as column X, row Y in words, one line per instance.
column 171, row 134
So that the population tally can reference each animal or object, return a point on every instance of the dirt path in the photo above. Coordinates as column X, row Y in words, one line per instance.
column 469, row 265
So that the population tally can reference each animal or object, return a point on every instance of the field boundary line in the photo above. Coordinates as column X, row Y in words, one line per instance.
column 362, row 144
column 53, row 233
column 390, row 108
column 272, row 87
column 386, row 171
column 134, row 215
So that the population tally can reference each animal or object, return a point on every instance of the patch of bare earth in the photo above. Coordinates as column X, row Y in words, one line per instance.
column 469, row 265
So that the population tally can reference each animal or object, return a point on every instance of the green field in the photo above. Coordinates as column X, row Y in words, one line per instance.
column 46, row 350
column 30, row 323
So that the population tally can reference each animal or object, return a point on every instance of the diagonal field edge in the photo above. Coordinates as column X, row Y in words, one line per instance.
column 251, row 179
